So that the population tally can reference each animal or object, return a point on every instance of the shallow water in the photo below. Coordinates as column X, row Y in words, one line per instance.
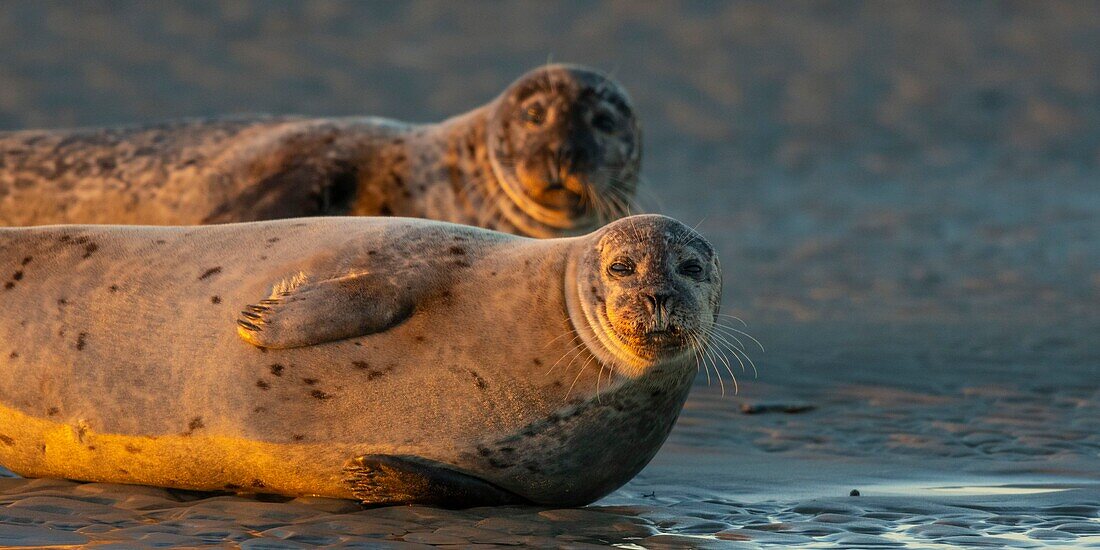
column 903, row 196
column 936, row 465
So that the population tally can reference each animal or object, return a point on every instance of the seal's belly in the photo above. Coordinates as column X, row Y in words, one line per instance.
column 34, row 447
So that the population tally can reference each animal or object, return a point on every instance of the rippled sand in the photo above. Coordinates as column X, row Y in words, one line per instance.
column 904, row 200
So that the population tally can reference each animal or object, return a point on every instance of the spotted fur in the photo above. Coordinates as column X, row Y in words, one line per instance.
column 487, row 167
column 497, row 378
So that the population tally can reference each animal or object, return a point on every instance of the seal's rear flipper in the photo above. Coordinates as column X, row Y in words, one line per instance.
column 300, row 312
column 387, row 479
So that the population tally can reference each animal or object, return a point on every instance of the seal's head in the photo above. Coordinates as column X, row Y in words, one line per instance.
column 565, row 147
column 648, row 288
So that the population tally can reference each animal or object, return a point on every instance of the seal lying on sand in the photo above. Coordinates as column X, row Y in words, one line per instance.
column 387, row 359
column 556, row 154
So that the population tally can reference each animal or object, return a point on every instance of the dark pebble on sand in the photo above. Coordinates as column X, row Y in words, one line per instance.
column 788, row 408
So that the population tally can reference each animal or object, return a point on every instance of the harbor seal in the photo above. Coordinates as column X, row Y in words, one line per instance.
column 556, row 154
column 385, row 359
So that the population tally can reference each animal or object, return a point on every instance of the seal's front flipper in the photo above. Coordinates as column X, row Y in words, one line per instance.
column 300, row 312
column 387, row 479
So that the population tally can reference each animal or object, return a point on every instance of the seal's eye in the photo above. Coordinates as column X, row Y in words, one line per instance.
column 603, row 122
column 691, row 267
column 535, row 115
column 620, row 268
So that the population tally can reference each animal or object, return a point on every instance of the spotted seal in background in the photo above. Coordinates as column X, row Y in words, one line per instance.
column 385, row 359
column 556, row 154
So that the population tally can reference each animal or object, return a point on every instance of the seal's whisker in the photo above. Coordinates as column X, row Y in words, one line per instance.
column 718, row 373
column 740, row 343
column 599, row 376
column 733, row 349
column 621, row 208
column 755, row 373
column 695, row 351
column 567, row 332
column 734, row 317
column 743, row 353
column 578, row 377
column 705, row 367
column 575, row 351
column 741, row 332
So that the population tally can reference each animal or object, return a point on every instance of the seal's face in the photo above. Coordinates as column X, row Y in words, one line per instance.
column 651, row 287
column 566, row 147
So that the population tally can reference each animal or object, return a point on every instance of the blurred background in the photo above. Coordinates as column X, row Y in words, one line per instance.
column 895, row 188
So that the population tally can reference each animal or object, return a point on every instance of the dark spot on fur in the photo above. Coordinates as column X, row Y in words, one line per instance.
column 318, row 394
column 80, row 240
column 210, row 272
column 52, row 411
column 492, row 273
column 419, row 338
column 445, row 294
column 81, row 341
column 262, row 385
column 374, row 374
column 65, row 238
column 481, row 383
column 17, row 276
column 276, row 369
column 458, row 250
column 62, row 302
column 259, row 409
column 385, row 210
column 372, row 252
column 89, row 249
column 498, row 463
column 462, row 263
column 132, row 449
column 297, row 437
column 484, row 451
column 263, row 257
column 9, row 285
column 215, row 299
column 14, row 355
column 309, row 381
column 231, row 486
column 27, row 260
column 91, row 447
column 258, row 484
column 360, row 364
column 112, row 288
column 537, row 362
column 273, row 240
column 7, row 440
column 161, row 241
column 194, row 424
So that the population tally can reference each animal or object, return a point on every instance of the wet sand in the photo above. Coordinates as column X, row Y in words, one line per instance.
column 904, row 199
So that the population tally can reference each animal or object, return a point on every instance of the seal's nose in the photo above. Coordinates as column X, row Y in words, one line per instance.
column 657, row 304
column 574, row 155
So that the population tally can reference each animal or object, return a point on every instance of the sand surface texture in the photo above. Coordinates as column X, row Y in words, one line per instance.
column 905, row 201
